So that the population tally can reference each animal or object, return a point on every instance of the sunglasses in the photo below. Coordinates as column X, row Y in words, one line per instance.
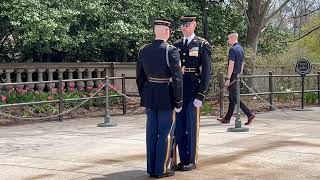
column 185, row 25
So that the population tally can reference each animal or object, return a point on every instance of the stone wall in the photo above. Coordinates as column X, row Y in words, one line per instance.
column 28, row 72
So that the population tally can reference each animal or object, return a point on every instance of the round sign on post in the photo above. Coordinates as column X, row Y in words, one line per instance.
column 303, row 66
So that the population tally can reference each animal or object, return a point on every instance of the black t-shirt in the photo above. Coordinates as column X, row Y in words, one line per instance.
column 236, row 54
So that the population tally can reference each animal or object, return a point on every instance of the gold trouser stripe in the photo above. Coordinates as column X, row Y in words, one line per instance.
column 197, row 133
column 169, row 142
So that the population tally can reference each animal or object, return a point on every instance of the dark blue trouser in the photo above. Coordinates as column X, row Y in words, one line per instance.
column 160, row 130
column 187, row 132
column 233, row 100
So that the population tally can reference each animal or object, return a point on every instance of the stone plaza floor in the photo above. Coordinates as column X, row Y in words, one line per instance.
column 284, row 146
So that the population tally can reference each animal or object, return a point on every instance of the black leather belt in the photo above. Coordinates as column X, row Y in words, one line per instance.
column 159, row 80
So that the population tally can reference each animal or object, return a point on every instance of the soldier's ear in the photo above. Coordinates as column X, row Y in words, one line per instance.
column 168, row 31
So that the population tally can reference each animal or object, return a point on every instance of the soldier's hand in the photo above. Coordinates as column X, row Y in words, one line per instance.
column 177, row 109
column 197, row 103
column 227, row 82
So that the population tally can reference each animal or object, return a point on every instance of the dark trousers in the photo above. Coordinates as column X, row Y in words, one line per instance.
column 187, row 132
column 233, row 99
column 160, row 130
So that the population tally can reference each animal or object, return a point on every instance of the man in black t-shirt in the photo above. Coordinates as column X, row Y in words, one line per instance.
column 235, row 68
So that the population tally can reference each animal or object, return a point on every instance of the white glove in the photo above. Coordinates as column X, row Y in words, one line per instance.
column 177, row 110
column 197, row 103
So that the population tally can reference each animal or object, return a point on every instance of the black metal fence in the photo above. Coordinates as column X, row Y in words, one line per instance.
column 219, row 81
column 271, row 88
column 61, row 100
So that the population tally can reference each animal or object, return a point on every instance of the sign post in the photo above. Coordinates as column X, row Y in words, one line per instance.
column 303, row 67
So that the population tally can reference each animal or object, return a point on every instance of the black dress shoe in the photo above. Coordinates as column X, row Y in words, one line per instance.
column 167, row 174
column 223, row 120
column 250, row 119
column 179, row 166
column 188, row 167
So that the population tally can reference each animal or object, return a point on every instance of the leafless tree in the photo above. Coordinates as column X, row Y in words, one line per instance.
column 291, row 14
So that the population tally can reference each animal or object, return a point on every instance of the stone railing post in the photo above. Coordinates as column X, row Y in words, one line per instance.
column 18, row 79
column 89, row 84
column 51, row 86
column 98, row 82
column 30, row 87
column 71, row 85
column 1, row 71
column 40, row 86
column 8, row 79
column 60, row 73
column 80, row 84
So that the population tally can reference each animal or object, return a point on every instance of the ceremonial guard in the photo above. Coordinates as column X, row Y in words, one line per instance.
column 195, row 55
column 159, row 82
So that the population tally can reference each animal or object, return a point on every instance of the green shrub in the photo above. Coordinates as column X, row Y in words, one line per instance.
column 310, row 97
column 206, row 109
column 284, row 97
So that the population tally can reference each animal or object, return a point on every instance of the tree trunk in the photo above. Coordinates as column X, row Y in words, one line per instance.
column 257, row 16
column 252, row 43
column 249, row 69
column 253, row 34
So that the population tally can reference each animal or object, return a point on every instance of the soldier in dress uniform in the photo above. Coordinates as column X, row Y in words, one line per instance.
column 159, row 81
column 195, row 53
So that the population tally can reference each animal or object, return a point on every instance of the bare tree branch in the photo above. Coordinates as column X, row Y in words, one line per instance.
column 265, row 27
column 264, row 11
column 238, row 2
column 306, row 34
column 266, row 6
column 282, row 19
column 245, row 11
column 277, row 10
column 272, row 5
column 294, row 17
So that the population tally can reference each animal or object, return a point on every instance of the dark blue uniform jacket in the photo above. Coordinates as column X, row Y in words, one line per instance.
column 196, row 55
column 152, row 63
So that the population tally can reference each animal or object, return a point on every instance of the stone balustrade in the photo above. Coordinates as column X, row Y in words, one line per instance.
column 30, row 72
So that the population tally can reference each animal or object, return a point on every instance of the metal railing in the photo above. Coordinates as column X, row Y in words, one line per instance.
column 220, row 93
column 270, row 91
column 61, row 100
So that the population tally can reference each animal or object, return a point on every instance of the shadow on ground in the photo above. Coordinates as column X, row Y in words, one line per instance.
column 241, row 154
column 125, row 175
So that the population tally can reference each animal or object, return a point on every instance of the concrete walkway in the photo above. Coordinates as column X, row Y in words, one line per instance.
column 278, row 146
